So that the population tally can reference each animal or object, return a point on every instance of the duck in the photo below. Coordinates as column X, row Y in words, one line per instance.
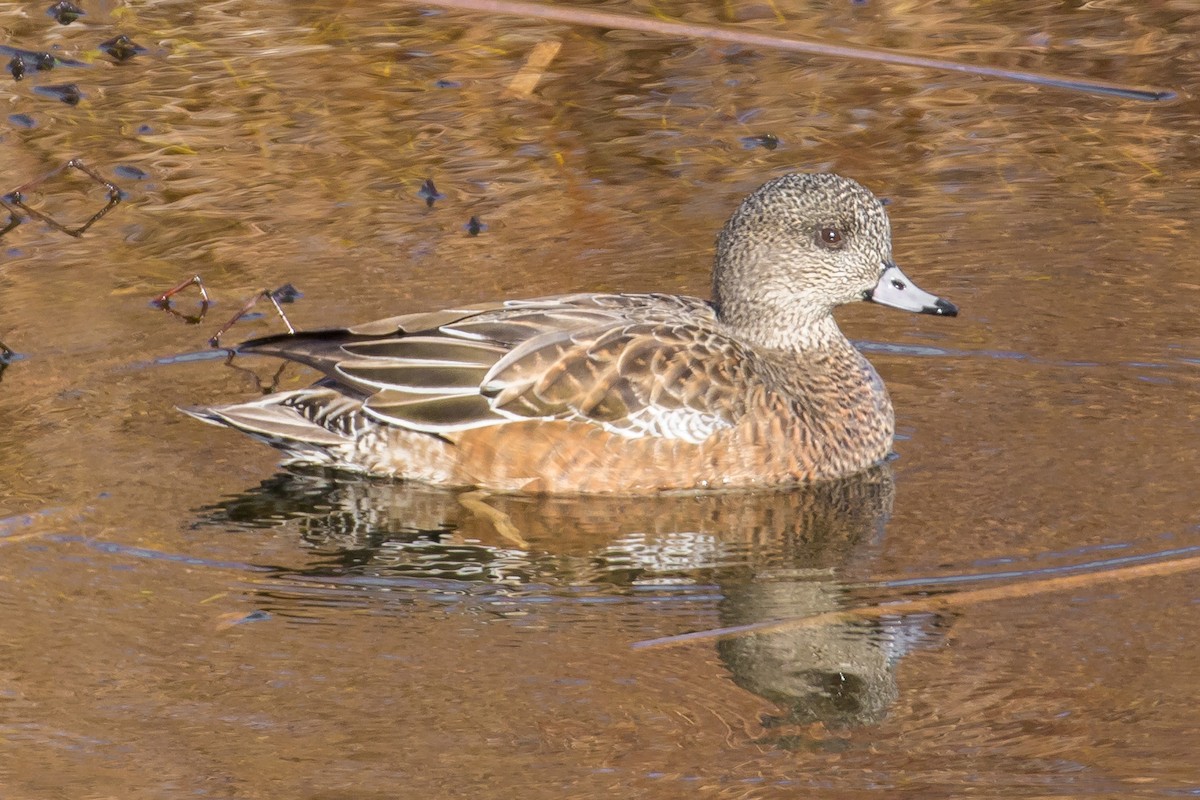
column 619, row 393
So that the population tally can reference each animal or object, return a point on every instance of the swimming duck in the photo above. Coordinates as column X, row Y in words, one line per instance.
column 619, row 393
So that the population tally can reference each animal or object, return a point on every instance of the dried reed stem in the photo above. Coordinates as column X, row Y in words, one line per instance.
column 575, row 15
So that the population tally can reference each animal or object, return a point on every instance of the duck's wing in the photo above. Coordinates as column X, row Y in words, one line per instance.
column 634, row 364
column 656, row 373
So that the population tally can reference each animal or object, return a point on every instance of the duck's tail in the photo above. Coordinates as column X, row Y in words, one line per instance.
column 312, row 426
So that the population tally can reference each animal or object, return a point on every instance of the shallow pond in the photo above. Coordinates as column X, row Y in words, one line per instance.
column 183, row 618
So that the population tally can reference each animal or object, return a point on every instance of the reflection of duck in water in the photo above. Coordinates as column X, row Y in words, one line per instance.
column 839, row 674
column 620, row 393
column 769, row 554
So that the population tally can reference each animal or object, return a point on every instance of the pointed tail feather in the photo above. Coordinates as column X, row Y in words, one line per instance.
column 281, row 424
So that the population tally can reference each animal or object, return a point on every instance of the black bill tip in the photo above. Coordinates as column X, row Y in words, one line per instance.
column 942, row 308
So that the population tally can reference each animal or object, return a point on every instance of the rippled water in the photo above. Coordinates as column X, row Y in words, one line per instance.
column 182, row 618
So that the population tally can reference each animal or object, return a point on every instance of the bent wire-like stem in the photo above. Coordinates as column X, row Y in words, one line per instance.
column 163, row 301
column 269, row 294
column 16, row 198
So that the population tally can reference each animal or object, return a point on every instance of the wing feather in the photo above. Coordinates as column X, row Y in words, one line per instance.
column 636, row 365
column 432, row 413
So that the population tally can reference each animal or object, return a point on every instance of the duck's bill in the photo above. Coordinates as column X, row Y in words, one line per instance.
column 896, row 290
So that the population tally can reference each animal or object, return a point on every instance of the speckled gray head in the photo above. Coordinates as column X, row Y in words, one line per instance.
column 801, row 245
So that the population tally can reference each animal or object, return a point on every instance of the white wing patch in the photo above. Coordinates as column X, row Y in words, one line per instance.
column 685, row 424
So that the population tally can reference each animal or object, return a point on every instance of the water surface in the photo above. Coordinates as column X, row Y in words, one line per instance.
column 182, row 618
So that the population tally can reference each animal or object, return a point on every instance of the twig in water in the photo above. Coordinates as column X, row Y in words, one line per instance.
column 595, row 17
column 14, row 219
column 934, row 603
column 215, row 340
column 284, row 294
column 17, row 198
column 163, row 301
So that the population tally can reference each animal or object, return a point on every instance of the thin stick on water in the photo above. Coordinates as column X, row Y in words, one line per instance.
column 950, row 600
column 14, row 219
column 17, row 198
column 268, row 294
column 287, row 292
column 593, row 17
column 163, row 301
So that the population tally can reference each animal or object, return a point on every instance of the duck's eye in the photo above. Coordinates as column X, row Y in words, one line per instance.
column 830, row 238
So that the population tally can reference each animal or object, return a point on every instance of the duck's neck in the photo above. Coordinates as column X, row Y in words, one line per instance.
column 800, row 336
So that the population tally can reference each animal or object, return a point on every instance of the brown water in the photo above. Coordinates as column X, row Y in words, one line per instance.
column 183, row 619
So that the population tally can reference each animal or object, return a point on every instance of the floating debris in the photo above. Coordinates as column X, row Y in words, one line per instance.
column 122, row 48
column 235, row 618
column 429, row 193
column 768, row 141
column 32, row 59
column 66, row 92
column 133, row 173
column 24, row 60
column 445, row 83
column 7, row 356
column 475, row 226
column 284, row 294
column 163, row 301
column 265, row 294
column 16, row 198
column 65, row 12
column 22, row 120
column 533, row 70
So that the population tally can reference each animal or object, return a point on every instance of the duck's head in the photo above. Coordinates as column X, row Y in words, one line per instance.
column 798, row 247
